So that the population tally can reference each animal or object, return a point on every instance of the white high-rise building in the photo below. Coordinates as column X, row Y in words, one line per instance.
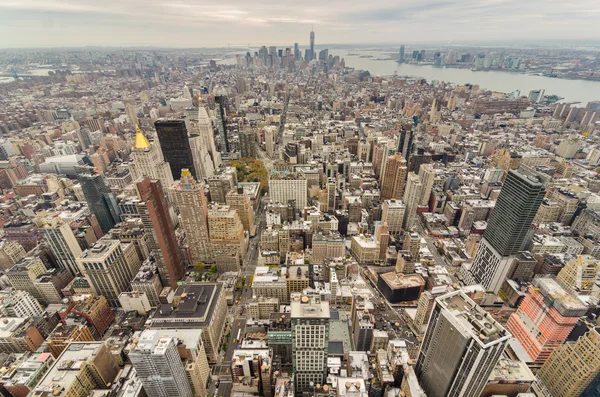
column 427, row 176
column 286, row 187
column 310, row 340
column 159, row 367
column 19, row 303
column 393, row 213
column 106, row 267
column 61, row 240
column 148, row 161
column 270, row 134
column 412, row 198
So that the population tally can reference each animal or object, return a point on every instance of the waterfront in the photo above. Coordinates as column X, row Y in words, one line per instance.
column 582, row 91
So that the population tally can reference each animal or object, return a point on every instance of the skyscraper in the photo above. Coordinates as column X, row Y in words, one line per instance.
column 162, row 242
column 191, row 202
column 393, row 177
column 540, row 327
column 175, row 145
column 312, row 45
column 401, row 56
column 310, row 339
column 220, row 107
column 158, row 365
column 460, row 349
column 248, row 143
column 107, row 269
column 412, row 197
column 101, row 201
column 519, row 201
column 571, row 368
column 148, row 161
column 61, row 240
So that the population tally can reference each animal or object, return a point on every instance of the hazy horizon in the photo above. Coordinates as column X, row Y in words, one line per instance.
column 187, row 24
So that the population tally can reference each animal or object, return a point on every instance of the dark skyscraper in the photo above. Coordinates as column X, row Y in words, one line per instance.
column 312, row 45
column 175, row 145
column 101, row 202
column 248, row 143
column 153, row 210
column 220, row 106
column 297, row 55
column 509, row 224
column 401, row 57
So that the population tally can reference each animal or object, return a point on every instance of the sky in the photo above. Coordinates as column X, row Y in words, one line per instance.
column 199, row 23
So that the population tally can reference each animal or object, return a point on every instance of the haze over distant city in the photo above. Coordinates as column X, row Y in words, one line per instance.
column 185, row 23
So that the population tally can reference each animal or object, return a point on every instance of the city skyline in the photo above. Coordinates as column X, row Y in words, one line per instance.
column 67, row 23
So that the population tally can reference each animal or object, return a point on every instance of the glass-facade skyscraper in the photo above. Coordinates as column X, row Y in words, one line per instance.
column 101, row 201
column 175, row 145
column 509, row 224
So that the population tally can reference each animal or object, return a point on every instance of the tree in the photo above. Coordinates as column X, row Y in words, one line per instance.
column 213, row 270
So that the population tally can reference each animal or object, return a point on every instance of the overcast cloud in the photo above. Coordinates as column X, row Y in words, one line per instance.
column 198, row 23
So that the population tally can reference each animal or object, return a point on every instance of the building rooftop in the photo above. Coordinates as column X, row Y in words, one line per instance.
column 472, row 319
column 304, row 306
column 195, row 307
column 401, row 281
column 66, row 368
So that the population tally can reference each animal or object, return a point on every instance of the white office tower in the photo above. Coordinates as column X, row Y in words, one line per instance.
column 462, row 345
column 159, row 367
column 310, row 340
column 19, row 303
column 61, row 240
column 412, row 196
column 202, row 142
column 148, row 161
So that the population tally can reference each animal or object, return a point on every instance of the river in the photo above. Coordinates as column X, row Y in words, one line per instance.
column 571, row 90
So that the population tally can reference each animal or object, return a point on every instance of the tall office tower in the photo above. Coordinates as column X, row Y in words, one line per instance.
column 392, row 212
column 10, row 253
column 108, row 268
column 427, row 177
column 270, row 134
column 61, row 240
column 509, row 224
column 571, row 368
column 405, row 145
column 310, row 339
column 579, row 275
column 202, row 143
column 131, row 111
column 220, row 107
column 240, row 202
column 401, row 55
column 312, row 45
column 225, row 230
column 331, row 195
column 412, row 243
column 162, row 242
column 461, row 347
column 297, row 54
column 175, row 145
column 412, row 195
column 248, row 143
column 158, row 365
column 221, row 184
column 545, row 319
column 101, row 201
column 148, row 161
column 394, row 178
column 22, row 276
column 191, row 202
column 286, row 187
